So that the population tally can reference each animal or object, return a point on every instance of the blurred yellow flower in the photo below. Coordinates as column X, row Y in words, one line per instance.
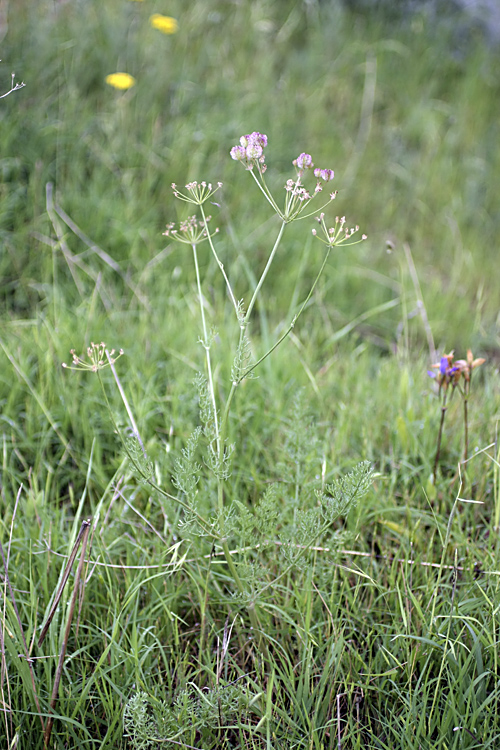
column 121, row 81
column 165, row 24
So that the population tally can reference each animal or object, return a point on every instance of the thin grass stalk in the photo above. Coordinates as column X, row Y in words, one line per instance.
column 64, row 579
column 420, row 301
column 442, row 566
column 4, row 678
column 445, row 648
column 204, row 605
column 496, row 481
column 25, row 646
column 62, row 654
column 4, row 675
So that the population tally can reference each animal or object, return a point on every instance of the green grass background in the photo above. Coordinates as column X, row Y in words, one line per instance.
column 372, row 648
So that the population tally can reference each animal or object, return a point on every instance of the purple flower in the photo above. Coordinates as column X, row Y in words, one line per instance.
column 250, row 151
column 445, row 366
column 325, row 174
column 254, row 138
column 260, row 138
column 238, row 153
column 304, row 161
column 448, row 372
column 254, row 150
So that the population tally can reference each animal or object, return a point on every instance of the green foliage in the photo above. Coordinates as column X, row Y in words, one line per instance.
column 344, row 494
column 242, row 360
column 142, row 466
column 187, row 469
column 208, row 713
column 363, row 610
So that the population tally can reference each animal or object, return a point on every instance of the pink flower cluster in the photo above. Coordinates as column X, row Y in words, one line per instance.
column 251, row 150
column 304, row 161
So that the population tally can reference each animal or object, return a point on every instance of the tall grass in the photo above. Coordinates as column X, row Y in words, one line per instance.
column 386, row 633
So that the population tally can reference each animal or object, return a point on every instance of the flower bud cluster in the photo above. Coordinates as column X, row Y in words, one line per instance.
column 198, row 192
column 191, row 231
column 250, row 152
column 304, row 161
column 338, row 234
column 298, row 196
column 451, row 372
column 96, row 354
column 324, row 174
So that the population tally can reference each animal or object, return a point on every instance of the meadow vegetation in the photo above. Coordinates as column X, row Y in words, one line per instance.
column 299, row 561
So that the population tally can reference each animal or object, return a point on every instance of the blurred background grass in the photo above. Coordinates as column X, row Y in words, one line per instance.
column 407, row 116
column 406, row 111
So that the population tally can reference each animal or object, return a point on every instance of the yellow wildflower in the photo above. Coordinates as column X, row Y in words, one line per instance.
column 165, row 24
column 121, row 81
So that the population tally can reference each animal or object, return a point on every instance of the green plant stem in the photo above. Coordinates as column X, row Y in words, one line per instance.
column 252, row 611
column 264, row 274
column 206, row 346
column 265, row 191
column 224, row 422
column 243, row 326
column 302, row 550
column 446, row 541
column 219, row 262
column 466, row 422
column 496, row 483
column 440, row 435
column 292, row 324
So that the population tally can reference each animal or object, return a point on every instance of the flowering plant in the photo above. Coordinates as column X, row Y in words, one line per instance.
column 457, row 374
column 215, row 412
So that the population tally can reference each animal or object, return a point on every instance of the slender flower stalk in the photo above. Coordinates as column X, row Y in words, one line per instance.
column 456, row 374
column 466, row 366
column 206, row 345
column 264, row 273
column 100, row 358
column 217, row 259
column 447, row 374
column 440, row 436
